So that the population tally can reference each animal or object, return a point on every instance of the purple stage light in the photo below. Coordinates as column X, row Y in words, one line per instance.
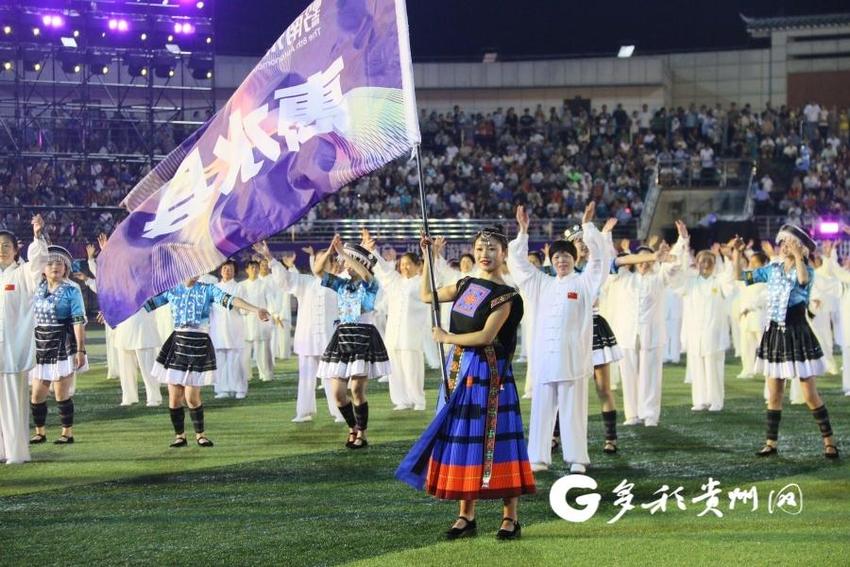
column 828, row 227
column 57, row 21
column 122, row 25
column 178, row 28
column 45, row 20
column 113, row 24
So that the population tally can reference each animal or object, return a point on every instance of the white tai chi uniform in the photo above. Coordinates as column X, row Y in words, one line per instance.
column 640, row 332
column 258, row 333
column 17, row 351
column 824, row 301
column 280, row 308
column 406, row 331
column 706, row 336
column 752, row 324
column 314, row 326
column 733, row 311
column 137, row 341
column 227, row 332
column 673, row 323
column 562, row 338
column 843, row 276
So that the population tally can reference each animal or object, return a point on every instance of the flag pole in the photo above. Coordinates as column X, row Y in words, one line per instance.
column 429, row 257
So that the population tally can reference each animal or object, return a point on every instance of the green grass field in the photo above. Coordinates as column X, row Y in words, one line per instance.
column 274, row 492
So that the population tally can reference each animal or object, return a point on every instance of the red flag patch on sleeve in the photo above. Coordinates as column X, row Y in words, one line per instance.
column 572, row 295
column 9, row 287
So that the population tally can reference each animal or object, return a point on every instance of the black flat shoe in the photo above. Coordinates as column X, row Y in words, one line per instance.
column 470, row 529
column 610, row 447
column 352, row 436
column 767, row 451
column 178, row 442
column 204, row 442
column 830, row 451
column 38, row 438
column 359, row 443
column 64, row 440
column 515, row 533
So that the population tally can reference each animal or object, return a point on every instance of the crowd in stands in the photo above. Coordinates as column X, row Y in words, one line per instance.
column 480, row 165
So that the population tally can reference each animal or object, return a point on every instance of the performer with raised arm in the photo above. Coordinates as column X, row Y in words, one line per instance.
column 187, row 360
column 562, row 338
column 18, row 285
column 642, row 328
column 60, row 342
column 474, row 447
column 407, row 324
column 705, row 294
column 789, row 348
column 314, row 327
column 356, row 351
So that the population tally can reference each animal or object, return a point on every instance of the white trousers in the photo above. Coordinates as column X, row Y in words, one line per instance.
column 262, row 354
column 432, row 354
column 230, row 377
column 822, row 327
column 845, row 372
column 14, row 418
column 282, row 340
column 673, row 344
column 707, row 388
column 407, row 381
column 528, row 391
column 111, row 353
column 640, row 376
column 143, row 360
column 305, row 403
column 735, row 330
column 750, row 341
column 568, row 400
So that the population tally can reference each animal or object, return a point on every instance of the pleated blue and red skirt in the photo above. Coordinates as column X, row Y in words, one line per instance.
column 468, row 452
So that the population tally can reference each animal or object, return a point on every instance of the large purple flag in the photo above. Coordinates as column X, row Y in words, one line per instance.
column 331, row 101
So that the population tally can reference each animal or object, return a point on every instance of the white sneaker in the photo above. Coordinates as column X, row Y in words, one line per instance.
column 339, row 419
column 526, row 396
column 539, row 467
column 383, row 380
column 650, row 423
column 240, row 396
column 577, row 468
column 715, row 408
column 699, row 408
column 400, row 408
column 744, row 376
column 302, row 419
column 153, row 404
column 632, row 421
column 418, row 408
column 847, row 393
column 222, row 396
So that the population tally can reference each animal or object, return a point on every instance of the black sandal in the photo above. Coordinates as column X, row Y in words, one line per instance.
column 515, row 533
column 204, row 442
column 38, row 438
column 470, row 529
column 179, row 442
column 361, row 445
column 767, row 451
column 352, row 436
column 830, row 454
column 610, row 447
column 64, row 440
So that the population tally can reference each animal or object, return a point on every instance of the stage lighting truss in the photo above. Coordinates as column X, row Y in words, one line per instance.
column 34, row 59
column 138, row 64
column 99, row 63
column 72, row 61
column 202, row 66
column 165, row 65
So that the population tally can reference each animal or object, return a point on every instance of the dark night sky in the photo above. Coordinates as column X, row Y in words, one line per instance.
column 464, row 29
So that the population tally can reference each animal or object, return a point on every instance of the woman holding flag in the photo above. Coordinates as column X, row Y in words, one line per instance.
column 474, row 447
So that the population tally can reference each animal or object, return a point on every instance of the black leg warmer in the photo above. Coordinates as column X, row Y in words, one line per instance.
column 66, row 412
column 347, row 412
column 609, row 420
column 197, row 417
column 39, row 413
column 361, row 416
column 822, row 418
column 773, row 418
column 178, row 419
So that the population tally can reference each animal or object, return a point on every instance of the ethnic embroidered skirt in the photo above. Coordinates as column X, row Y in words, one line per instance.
column 605, row 347
column 355, row 349
column 55, row 353
column 791, row 350
column 475, row 447
column 186, row 359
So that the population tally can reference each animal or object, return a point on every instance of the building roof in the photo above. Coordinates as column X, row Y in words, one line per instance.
column 760, row 27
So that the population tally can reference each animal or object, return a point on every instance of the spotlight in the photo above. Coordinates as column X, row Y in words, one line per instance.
column 209, row 74
column 163, row 66
column 143, row 72
column 170, row 38
column 137, row 64
column 104, row 70
column 201, row 66
column 7, row 65
column 7, row 30
column 36, row 67
column 122, row 25
column 143, row 37
column 113, row 24
column 76, row 33
column 33, row 60
column 36, row 32
column 199, row 5
column 77, row 68
column 57, row 21
column 829, row 228
column 209, row 40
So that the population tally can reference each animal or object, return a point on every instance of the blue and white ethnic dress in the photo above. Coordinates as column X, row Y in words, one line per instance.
column 356, row 348
column 188, row 357
column 56, row 313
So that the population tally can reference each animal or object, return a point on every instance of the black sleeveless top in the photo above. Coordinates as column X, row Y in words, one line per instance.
column 476, row 299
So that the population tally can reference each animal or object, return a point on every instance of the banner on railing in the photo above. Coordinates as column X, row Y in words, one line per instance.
column 332, row 100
